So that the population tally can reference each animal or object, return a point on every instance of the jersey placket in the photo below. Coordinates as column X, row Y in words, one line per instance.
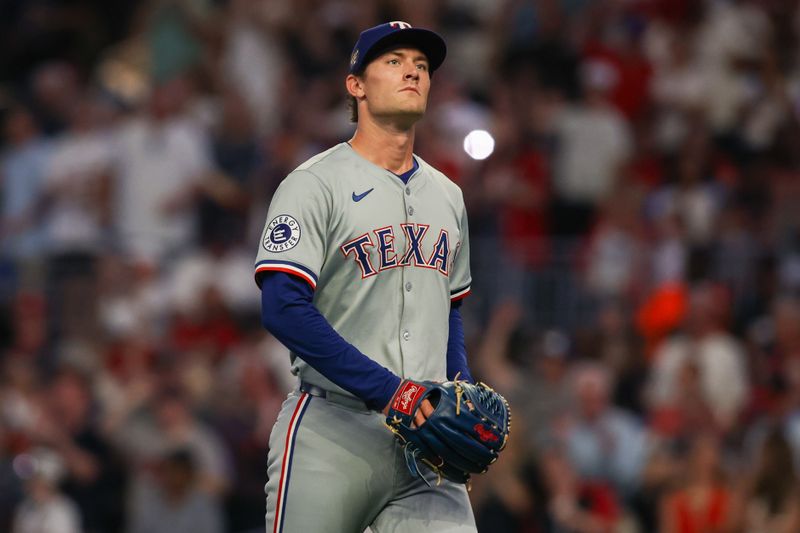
column 409, row 353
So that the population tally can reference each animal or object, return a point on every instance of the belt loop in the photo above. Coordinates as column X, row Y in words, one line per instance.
column 334, row 397
column 313, row 390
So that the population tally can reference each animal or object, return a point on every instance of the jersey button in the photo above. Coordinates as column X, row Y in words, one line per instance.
column 408, row 191
column 410, row 211
column 406, row 335
column 408, row 286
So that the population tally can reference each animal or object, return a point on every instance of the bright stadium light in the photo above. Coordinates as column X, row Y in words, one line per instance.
column 479, row 144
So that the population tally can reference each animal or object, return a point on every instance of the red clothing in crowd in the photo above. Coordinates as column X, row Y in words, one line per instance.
column 709, row 517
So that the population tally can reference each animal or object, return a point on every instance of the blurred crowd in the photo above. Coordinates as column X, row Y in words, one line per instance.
column 635, row 236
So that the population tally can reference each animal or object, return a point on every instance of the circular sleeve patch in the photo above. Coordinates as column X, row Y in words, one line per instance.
column 282, row 233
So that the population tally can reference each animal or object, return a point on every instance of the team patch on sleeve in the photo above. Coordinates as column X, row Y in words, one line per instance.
column 282, row 233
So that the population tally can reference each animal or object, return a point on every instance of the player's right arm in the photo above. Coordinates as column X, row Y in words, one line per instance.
column 289, row 314
column 291, row 255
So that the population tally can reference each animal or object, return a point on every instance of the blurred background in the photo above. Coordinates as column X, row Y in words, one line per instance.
column 632, row 176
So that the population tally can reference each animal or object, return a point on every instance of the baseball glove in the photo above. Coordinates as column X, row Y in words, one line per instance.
column 465, row 433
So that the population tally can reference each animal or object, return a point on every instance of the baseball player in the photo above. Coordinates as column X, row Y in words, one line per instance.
column 362, row 265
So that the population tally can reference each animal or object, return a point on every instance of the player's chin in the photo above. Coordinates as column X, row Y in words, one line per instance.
column 403, row 119
column 411, row 113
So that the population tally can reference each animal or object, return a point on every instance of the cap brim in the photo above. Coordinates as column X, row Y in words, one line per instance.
column 428, row 42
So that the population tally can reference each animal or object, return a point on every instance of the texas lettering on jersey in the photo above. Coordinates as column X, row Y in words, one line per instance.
column 382, row 242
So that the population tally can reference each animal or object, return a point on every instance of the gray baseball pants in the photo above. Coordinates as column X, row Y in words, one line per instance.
column 334, row 467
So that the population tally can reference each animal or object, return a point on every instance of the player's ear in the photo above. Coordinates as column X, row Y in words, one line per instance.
column 355, row 86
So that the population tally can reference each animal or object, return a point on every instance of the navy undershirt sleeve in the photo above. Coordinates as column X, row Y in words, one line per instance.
column 456, row 348
column 288, row 313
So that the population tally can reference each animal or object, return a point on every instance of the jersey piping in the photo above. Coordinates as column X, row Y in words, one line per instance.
column 289, row 267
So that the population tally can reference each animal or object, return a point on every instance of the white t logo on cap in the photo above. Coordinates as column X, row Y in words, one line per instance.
column 399, row 24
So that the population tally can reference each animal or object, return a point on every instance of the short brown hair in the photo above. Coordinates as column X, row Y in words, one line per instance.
column 352, row 107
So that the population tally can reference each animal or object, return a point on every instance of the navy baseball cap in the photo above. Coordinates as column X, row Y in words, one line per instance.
column 374, row 41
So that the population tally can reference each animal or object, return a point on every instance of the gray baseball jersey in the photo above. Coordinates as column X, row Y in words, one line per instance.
column 386, row 259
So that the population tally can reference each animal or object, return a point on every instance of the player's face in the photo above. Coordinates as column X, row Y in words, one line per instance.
column 396, row 85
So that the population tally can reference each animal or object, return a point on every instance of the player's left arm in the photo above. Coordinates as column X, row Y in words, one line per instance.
column 456, row 347
column 460, row 283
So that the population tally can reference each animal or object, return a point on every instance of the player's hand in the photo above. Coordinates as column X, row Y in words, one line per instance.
column 460, row 432
column 423, row 412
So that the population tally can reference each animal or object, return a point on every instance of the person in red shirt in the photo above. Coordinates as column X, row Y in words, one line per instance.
column 704, row 503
